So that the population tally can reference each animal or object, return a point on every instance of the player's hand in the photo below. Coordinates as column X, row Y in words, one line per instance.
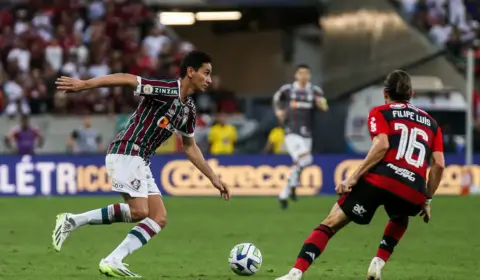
column 70, row 84
column 222, row 187
column 426, row 213
column 346, row 186
column 322, row 104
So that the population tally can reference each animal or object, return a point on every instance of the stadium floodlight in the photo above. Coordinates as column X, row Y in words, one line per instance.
column 176, row 18
column 213, row 16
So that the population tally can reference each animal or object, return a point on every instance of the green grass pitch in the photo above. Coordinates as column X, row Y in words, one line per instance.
column 201, row 231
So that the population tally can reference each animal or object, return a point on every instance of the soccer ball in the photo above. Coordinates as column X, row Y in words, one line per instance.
column 245, row 259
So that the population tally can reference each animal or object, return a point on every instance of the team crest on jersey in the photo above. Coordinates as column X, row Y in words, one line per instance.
column 398, row 106
column 148, row 89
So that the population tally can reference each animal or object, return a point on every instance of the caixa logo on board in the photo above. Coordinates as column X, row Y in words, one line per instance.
column 181, row 178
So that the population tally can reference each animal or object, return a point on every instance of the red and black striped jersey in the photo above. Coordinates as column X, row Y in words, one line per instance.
column 413, row 136
column 160, row 114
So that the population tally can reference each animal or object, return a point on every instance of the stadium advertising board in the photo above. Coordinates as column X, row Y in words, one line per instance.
column 247, row 175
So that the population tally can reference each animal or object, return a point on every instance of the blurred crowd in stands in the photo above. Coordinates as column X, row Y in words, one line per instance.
column 450, row 23
column 42, row 39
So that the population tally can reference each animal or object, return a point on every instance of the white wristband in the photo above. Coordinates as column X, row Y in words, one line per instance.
column 428, row 201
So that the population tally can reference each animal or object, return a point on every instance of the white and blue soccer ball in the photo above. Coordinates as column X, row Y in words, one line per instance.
column 245, row 259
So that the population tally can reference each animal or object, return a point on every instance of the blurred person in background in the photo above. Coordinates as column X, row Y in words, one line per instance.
column 276, row 142
column 222, row 136
column 440, row 32
column 85, row 139
column 155, row 42
column 294, row 105
column 17, row 103
column 225, row 98
column 23, row 139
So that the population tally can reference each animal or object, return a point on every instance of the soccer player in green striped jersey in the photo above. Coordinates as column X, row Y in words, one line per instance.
column 167, row 107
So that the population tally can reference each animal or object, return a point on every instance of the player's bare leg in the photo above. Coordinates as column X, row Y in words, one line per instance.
column 315, row 244
column 66, row 223
column 394, row 231
column 293, row 181
column 153, row 219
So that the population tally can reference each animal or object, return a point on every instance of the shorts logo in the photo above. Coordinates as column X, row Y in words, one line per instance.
column 117, row 185
column 148, row 89
column 359, row 210
column 135, row 184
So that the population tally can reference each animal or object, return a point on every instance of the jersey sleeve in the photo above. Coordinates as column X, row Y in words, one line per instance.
column 437, row 145
column 377, row 123
column 156, row 88
column 188, row 130
column 281, row 95
column 318, row 92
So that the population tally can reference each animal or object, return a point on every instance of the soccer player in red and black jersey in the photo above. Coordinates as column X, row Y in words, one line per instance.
column 166, row 108
column 394, row 174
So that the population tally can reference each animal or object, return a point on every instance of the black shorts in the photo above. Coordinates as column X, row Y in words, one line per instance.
column 361, row 203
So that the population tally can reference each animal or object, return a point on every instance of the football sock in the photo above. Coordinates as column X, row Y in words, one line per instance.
column 136, row 238
column 293, row 181
column 296, row 171
column 391, row 236
column 313, row 246
column 113, row 213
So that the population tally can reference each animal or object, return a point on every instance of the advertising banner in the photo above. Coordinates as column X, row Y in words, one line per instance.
column 250, row 175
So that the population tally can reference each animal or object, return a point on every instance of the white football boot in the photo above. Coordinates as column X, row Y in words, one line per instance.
column 294, row 274
column 63, row 227
column 375, row 269
column 117, row 269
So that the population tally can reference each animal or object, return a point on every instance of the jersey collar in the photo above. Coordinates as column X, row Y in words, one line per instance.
column 296, row 85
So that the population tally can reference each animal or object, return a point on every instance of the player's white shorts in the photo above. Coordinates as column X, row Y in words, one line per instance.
column 130, row 175
column 297, row 145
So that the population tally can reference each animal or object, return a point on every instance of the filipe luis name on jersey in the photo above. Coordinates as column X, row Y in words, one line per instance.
column 412, row 116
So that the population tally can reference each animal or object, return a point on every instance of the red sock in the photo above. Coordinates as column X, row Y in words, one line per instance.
column 313, row 247
column 391, row 236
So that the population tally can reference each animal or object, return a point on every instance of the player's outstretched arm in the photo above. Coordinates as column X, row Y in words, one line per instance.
column 278, row 97
column 195, row 155
column 74, row 85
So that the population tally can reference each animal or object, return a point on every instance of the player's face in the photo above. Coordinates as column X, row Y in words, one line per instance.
column 202, row 78
column 87, row 121
column 303, row 75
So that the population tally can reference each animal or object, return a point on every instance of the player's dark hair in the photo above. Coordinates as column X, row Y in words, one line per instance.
column 302, row 66
column 194, row 59
column 398, row 86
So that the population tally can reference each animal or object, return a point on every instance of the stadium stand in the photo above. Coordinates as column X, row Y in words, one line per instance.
column 42, row 39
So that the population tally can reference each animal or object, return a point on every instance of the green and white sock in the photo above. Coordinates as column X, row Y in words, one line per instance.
column 136, row 238
column 113, row 213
